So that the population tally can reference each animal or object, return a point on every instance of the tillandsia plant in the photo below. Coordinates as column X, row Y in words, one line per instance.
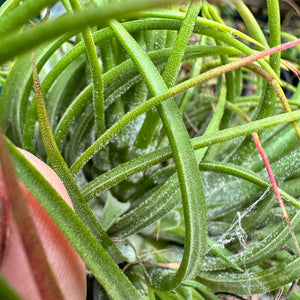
column 175, row 135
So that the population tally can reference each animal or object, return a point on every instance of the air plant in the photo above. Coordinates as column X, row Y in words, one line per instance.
column 183, row 187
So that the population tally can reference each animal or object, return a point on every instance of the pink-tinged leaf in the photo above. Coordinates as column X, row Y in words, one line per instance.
column 291, row 67
column 16, row 200
column 265, row 159
column 4, row 215
column 275, row 187
column 270, row 51
column 277, row 88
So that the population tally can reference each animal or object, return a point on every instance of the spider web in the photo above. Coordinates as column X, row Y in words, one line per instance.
column 236, row 231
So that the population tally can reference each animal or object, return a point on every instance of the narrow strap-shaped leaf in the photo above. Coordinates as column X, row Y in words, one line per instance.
column 85, row 243
column 174, row 61
column 21, row 14
column 112, row 55
column 43, row 275
column 231, row 87
column 106, row 33
column 112, row 85
column 258, row 252
column 61, row 168
column 8, row 6
column 277, row 89
column 208, row 294
column 36, row 35
column 265, row 159
column 223, row 253
column 189, row 177
column 149, row 212
column 268, row 97
column 253, row 283
column 170, row 73
column 251, row 22
column 164, row 95
column 269, row 170
column 241, row 172
column 209, row 28
column 274, row 28
column 200, row 21
column 105, row 181
column 97, row 78
column 196, row 70
column 11, row 97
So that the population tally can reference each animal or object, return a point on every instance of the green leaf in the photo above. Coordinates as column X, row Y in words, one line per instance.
column 252, row 283
column 111, row 211
column 189, row 177
column 17, row 43
column 118, row 174
column 61, row 168
column 21, row 14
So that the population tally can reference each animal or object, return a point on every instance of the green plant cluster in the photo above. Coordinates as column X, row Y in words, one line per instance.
column 141, row 112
